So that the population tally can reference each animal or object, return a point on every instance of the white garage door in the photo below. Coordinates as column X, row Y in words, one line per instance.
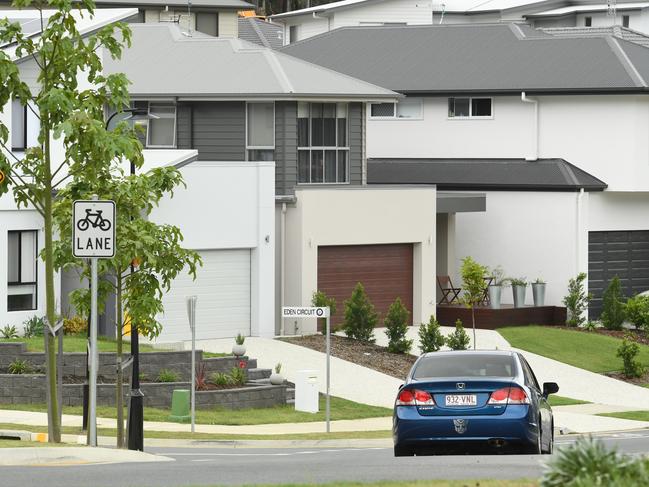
column 223, row 288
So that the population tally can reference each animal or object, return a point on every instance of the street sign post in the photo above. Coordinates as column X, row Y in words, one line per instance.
column 191, row 314
column 316, row 312
column 93, row 236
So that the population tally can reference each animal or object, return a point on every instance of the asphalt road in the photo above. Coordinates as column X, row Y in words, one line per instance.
column 238, row 466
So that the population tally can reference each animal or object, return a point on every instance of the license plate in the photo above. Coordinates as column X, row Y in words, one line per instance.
column 461, row 400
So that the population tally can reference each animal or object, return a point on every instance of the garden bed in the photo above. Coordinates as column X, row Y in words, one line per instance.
column 366, row 354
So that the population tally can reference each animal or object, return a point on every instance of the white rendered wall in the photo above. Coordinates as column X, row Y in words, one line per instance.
column 412, row 12
column 307, row 27
column 359, row 216
column 230, row 205
column 618, row 211
column 530, row 235
column 603, row 135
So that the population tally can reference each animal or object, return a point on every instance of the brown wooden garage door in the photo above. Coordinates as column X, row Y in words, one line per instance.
column 384, row 270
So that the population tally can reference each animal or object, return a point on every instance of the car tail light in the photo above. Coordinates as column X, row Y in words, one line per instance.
column 509, row 395
column 414, row 397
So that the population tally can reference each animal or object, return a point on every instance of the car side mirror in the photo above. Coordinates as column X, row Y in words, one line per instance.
column 550, row 388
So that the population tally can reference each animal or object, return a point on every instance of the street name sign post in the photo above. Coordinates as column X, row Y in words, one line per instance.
column 93, row 237
column 316, row 312
column 191, row 314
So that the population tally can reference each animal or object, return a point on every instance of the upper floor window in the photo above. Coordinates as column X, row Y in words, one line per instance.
column 292, row 34
column 260, row 131
column 470, row 107
column 407, row 108
column 588, row 21
column 25, row 126
column 625, row 21
column 22, row 270
column 322, row 140
column 161, row 126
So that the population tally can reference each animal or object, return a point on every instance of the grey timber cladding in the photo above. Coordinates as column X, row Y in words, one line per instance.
column 285, row 147
column 355, row 143
column 217, row 130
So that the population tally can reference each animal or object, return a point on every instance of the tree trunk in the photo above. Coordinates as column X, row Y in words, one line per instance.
column 473, row 320
column 53, row 407
column 119, row 398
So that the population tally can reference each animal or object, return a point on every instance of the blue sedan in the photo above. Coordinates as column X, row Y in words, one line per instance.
column 489, row 401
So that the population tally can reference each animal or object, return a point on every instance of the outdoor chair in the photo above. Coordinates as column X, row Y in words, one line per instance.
column 450, row 293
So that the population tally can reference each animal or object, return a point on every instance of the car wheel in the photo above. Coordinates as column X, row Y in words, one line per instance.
column 402, row 451
column 550, row 449
column 537, row 448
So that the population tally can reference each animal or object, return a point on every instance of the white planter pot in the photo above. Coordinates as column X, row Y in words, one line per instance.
column 276, row 379
column 519, row 296
column 538, row 292
column 494, row 296
column 238, row 350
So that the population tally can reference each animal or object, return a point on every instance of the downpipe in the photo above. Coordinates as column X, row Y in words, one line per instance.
column 535, row 154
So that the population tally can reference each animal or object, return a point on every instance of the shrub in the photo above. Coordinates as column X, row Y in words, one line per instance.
column 34, row 327
column 200, row 379
column 613, row 305
column 19, row 366
column 636, row 311
column 360, row 317
column 221, row 379
column 396, row 324
column 321, row 300
column 459, row 339
column 238, row 376
column 590, row 326
column 166, row 375
column 576, row 301
column 239, row 339
column 588, row 462
column 75, row 325
column 278, row 368
column 628, row 351
column 9, row 332
column 430, row 336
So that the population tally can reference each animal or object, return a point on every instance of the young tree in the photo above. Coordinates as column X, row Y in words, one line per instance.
column 613, row 305
column 360, row 317
column 474, row 286
column 71, row 116
column 576, row 301
column 154, row 250
column 396, row 324
column 430, row 336
column 321, row 300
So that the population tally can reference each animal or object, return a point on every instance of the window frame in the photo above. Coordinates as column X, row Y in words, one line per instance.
column 19, row 282
column 471, row 116
column 148, row 125
column 395, row 112
column 588, row 21
column 626, row 19
column 260, row 147
column 310, row 148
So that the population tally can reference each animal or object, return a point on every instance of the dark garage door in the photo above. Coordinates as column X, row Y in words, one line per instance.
column 621, row 253
column 384, row 270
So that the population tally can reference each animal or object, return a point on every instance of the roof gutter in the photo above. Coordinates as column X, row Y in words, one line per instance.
column 535, row 153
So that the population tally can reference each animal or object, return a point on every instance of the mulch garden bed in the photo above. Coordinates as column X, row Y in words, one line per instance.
column 639, row 336
column 638, row 381
column 365, row 354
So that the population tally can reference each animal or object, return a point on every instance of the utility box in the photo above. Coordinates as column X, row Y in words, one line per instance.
column 180, row 406
column 306, row 391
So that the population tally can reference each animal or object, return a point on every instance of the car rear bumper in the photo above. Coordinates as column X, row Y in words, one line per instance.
column 512, row 428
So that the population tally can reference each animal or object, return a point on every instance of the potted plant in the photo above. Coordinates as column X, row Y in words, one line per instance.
column 495, row 288
column 238, row 348
column 519, row 286
column 538, row 292
column 276, row 377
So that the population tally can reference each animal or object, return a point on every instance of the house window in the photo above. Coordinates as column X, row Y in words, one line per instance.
column 25, row 126
column 408, row 108
column 323, row 148
column 21, row 265
column 588, row 21
column 625, row 21
column 260, row 131
column 470, row 108
column 292, row 34
column 161, row 131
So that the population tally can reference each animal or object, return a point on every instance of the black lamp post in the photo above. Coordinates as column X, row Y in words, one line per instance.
column 136, row 409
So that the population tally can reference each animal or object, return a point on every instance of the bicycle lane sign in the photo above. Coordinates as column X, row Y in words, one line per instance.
column 93, row 228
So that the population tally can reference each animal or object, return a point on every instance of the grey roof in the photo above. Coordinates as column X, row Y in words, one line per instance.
column 226, row 4
column 484, row 174
column 495, row 58
column 613, row 30
column 260, row 32
column 162, row 61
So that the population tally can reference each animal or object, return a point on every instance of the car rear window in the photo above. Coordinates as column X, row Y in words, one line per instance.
column 464, row 365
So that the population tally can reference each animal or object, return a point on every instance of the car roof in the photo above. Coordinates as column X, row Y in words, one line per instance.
column 474, row 352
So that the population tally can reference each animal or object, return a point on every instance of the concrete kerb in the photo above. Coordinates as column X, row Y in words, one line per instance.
column 74, row 456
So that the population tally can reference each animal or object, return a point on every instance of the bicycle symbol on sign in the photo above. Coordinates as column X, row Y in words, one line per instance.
column 95, row 219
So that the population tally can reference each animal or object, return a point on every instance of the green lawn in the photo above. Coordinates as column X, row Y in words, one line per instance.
column 187, row 435
column 77, row 343
column 23, row 444
column 340, row 409
column 418, row 483
column 564, row 401
column 588, row 351
column 634, row 415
